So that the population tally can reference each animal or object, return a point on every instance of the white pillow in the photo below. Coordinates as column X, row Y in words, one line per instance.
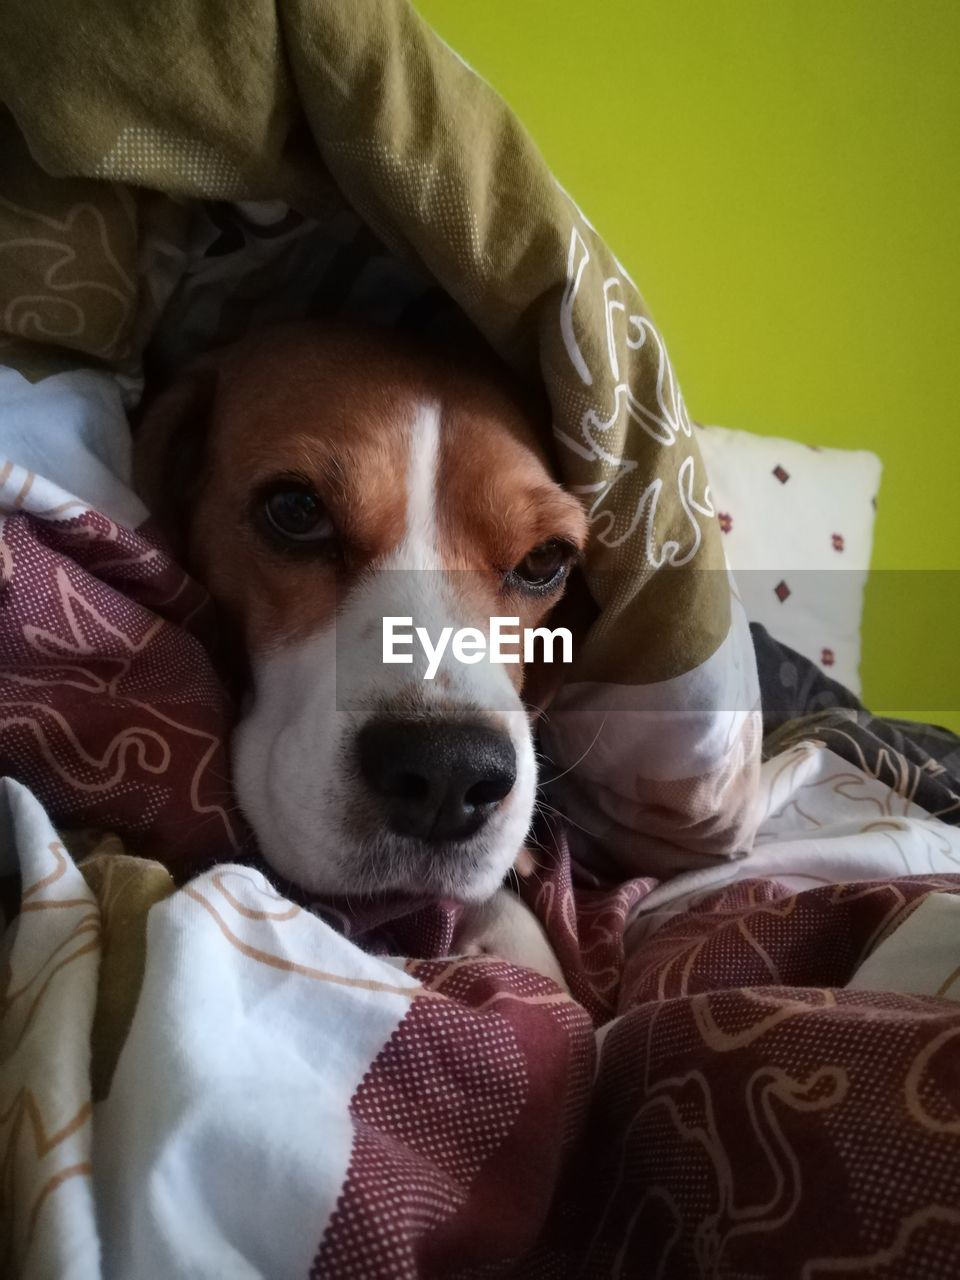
column 797, row 527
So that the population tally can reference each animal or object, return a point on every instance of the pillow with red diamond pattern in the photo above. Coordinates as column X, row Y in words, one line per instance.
column 797, row 525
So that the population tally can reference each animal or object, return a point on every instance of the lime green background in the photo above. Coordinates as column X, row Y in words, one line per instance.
column 781, row 177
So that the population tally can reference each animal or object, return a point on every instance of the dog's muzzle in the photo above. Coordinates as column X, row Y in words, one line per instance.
column 436, row 781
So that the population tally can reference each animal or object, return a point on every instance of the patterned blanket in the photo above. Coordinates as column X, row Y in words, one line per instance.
column 755, row 1072
column 216, row 171
column 212, row 1081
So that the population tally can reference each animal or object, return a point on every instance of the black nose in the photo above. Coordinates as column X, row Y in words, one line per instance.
column 439, row 781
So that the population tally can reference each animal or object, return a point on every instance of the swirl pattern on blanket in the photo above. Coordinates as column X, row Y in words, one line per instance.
column 109, row 708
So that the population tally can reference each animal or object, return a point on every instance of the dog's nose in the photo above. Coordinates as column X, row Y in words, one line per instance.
column 439, row 781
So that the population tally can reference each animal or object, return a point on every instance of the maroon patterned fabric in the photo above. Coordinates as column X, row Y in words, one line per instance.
column 110, row 710
column 748, row 1117
column 461, row 1127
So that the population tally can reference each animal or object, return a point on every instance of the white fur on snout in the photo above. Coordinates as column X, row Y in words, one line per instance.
column 295, row 760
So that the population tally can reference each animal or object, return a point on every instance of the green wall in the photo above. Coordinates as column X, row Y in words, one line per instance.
column 781, row 177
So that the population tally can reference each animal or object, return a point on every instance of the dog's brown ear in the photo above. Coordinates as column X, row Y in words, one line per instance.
column 169, row 452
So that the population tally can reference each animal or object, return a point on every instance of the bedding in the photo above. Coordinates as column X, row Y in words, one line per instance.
column 797, row 525
column 212, row 1080
column 203, row 1073
column 325, row 157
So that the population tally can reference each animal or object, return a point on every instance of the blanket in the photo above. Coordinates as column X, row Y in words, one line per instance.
column 213, row 1081
column 373, row 170
column 753, row 1071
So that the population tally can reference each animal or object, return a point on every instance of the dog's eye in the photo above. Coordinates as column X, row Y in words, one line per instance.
column 295, row 512
column 544, row 566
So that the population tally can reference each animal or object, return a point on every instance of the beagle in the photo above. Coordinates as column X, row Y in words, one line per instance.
column 319, row 479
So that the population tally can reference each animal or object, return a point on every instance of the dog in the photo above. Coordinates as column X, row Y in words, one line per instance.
column 318, row 478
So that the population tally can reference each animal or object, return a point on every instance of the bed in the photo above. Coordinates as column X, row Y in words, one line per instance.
column 752, row 884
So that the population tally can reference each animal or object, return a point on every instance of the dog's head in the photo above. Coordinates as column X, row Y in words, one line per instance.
column 320, row 479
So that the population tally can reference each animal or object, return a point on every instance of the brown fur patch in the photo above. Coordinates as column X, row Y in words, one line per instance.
column 334, row 407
